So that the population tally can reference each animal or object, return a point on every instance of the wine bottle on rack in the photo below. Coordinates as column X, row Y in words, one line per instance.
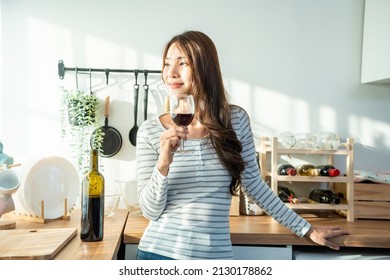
column 328, row 170
column 307, row 170
column 287, row 195
column 325, row 196
column 92, row 202
column 287, row 170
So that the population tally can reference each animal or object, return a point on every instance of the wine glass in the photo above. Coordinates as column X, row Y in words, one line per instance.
column 182, row 110
column 287, row 140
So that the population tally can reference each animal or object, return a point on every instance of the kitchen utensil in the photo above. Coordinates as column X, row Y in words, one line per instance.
column 134, row 130
column 50, row 179
column 112, row 139
column 34, row 244
column 107, row 72
column 146, row 90
column 9, row 184
column 247, row 207
column 4, row 158
column 9, row 181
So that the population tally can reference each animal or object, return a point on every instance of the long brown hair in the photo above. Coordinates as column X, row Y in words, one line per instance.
column 211, row 99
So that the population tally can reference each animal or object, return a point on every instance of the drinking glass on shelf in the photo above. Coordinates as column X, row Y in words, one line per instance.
column 287, row 140
column 328, row 141
column 306, row 141
column 182, row 110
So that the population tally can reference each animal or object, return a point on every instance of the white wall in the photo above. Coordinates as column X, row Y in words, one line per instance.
column 293, row 65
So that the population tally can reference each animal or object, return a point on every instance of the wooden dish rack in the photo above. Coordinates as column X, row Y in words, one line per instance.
column 39, row 218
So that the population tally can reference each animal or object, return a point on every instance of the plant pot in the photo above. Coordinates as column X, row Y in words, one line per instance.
column 82, row 112
column 79, row 114
column 82, row 108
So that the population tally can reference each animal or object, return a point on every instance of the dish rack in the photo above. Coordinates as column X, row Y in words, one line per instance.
column 39, row 218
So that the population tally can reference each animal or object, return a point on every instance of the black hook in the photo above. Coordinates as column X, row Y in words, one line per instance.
column 146, row 76
column 77, row 81
column 107, row 71
column 90, row 81
column 136, row 75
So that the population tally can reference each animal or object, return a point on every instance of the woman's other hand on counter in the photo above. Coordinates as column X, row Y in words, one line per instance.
column 322, row 235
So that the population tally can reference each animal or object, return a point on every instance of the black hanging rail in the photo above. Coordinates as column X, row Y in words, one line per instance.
column 62, row 69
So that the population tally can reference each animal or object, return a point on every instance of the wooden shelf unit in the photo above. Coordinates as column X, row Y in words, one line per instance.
column 270, row 151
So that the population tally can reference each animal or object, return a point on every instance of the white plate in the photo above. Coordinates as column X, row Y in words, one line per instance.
column 52, row 180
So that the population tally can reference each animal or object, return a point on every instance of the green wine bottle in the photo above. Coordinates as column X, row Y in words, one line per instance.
column 92, row 202
column 307, row 170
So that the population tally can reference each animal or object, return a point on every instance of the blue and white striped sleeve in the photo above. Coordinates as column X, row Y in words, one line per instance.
column 256, row 189
column 152, row 185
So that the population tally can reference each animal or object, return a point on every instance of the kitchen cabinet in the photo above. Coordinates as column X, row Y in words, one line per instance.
column 261, row 237
column 376, row 42
column 275, row 252
column 371, row 200
column 270, row 151
column 240, row 252
column 324, row 253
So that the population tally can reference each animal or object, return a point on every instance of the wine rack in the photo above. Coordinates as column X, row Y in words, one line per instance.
column 270, row 152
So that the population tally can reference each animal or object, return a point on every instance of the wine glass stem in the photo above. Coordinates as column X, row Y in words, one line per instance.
column 182, row 144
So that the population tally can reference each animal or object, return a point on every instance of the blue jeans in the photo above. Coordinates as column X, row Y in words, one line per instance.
column 142, row 255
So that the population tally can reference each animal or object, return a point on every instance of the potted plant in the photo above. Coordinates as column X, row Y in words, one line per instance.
column 79, row 116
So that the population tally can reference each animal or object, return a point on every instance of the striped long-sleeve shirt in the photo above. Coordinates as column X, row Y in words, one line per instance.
column 189, row 209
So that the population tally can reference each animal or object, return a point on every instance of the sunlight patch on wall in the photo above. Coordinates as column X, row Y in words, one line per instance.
column 271, row 111
column 240, row 94
column 43, row 136
column 327, row 118
column 152, row 62
column 130, row 58
column 46, row 43
column 100, row 53
column 369, row 132
column 301, row 118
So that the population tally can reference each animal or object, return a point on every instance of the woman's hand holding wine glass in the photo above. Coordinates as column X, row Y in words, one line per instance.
column 182, row 111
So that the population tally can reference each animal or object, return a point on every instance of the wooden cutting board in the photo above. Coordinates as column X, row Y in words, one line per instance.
column 33, row 244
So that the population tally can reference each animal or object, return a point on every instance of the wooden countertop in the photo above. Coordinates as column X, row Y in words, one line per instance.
column 263, row 230
column 79, row 250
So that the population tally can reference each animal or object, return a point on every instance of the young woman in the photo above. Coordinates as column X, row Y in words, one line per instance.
column 187, row 196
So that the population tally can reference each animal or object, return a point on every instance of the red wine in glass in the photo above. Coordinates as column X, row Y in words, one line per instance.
column 182, row 110
column 182, row 119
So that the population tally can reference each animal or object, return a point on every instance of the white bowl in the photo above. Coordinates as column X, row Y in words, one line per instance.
column 129, row 193
column 52, row 180
column 111, row 201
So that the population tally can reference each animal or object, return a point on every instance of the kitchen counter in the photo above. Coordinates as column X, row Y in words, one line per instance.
column 263, row 230
column 125, row 230
column 76, row 249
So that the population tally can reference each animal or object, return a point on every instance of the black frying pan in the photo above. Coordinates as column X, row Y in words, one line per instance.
column 112, row 139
